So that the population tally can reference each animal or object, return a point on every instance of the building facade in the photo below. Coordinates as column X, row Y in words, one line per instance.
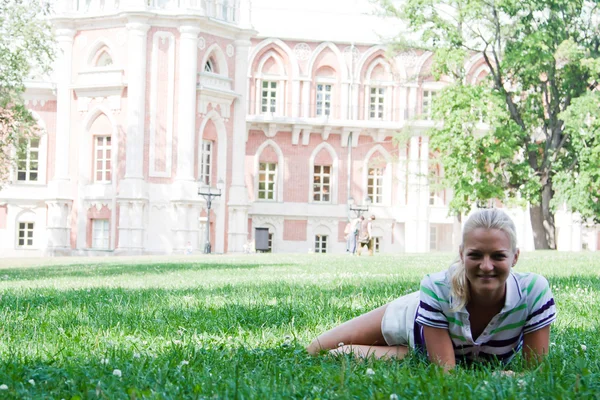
column 151, row 100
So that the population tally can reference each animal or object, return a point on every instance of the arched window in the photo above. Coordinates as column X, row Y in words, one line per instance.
column 378, row 86
column 101, row 132
column 324, row 91
column 210, row 66
column 104, row 60
column 28, row 154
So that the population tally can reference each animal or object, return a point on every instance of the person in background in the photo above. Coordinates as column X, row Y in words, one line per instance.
column 365, row 235
column 351, row 234
column 476, row 310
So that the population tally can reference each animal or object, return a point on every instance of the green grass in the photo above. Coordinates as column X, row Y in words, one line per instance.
column 236, row 327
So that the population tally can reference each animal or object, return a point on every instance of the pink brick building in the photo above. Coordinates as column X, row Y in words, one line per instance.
column 149, row 99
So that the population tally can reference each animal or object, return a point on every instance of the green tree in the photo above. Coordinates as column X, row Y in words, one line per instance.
column 542, row 57
column 26, row 48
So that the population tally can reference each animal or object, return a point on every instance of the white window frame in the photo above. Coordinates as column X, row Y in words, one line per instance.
column 28, row 167
column 270, row 178
column 106, row 161
column 102, row 226
column 28, row 229
column 433, row 237
column 270, row 242
column 323, row 105
column 377, row 241
column 377, row 97
column 321, row 243
column 427, row 103
column 319, row 184
column 375, row 185
column 268, row 101
column 205, row 162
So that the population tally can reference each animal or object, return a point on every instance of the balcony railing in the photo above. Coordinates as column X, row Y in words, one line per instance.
column 223, row 10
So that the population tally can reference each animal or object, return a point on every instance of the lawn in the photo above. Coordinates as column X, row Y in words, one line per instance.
column 236, row 327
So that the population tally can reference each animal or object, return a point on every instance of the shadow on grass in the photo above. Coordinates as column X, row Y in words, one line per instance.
column 105, row 270
column 224, row 310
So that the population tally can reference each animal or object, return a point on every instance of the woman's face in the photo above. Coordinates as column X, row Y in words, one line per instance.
column 488, row 258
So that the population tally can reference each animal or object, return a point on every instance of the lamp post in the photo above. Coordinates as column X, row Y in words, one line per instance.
column 359, row 209
column 209, row 193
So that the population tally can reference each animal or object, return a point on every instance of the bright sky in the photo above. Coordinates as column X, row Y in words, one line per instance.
column 335, row 20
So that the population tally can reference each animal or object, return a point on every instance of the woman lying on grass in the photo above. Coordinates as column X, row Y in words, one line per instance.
column 476, row 310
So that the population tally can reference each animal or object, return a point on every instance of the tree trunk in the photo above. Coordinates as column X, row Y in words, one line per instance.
column 542, row 221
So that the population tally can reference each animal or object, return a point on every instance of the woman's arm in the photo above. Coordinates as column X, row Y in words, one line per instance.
column 439, row 347
column 536, row 345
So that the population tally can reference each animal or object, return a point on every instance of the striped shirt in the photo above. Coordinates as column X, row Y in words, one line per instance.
column 529, row 306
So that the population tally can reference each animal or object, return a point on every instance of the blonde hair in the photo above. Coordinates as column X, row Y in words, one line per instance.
column 490, row 218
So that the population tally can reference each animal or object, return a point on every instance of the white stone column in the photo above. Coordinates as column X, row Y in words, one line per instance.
column 64, row 37
column 295, row 98
column 306, row 99
column 344, row 101
column 401, row 173
column 423, row 207
column 186, row 117
column 237, row 199
column 412, row 101
column 136, row 99
column 57, row 229
column 354, row 98
column 402, row 106
column 132, row 198
column 60, row 189
column 412, row 205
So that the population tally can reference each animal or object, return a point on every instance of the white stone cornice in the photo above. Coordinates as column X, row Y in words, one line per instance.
column 189, row 30
column 138, row 25
column 271, row 131
column 296, row 134
column 223, row 99
column 64, row 34
column 305, row 137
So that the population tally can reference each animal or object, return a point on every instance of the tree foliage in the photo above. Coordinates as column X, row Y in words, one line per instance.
column 26, row 49
column 528, row 132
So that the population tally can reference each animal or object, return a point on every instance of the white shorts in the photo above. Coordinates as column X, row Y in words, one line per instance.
column 398, row 321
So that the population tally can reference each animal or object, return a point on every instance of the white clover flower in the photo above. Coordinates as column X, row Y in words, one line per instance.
column 104, row 361
column 3, row 387
column 583, row 347
column 521, row 383
column 185, row 362
column 370, row 372
column 31, row 382
column 177, row 342
column 117, row 372
column 393, row 396
column 136, row 355
column 340, row 344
